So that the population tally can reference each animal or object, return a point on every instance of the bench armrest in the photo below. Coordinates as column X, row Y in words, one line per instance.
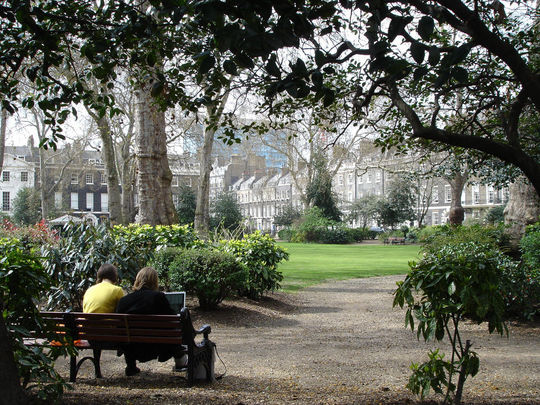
column 205, row 330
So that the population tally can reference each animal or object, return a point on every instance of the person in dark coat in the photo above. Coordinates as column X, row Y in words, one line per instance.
column 146, row 299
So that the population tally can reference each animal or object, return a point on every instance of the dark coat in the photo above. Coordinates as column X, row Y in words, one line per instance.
column 145, row 301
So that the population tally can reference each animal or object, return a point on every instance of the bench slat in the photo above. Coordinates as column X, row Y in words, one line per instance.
column 132, row 339
column 132, row 331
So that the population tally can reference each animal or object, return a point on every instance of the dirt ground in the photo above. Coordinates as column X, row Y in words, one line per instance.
column 335, row 343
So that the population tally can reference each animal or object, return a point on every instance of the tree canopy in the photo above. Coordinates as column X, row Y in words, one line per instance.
column 438, row 73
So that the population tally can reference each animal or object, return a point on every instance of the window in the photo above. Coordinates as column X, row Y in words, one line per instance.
column 370, row 177
column 187, row 182
column 89, row 178
column 476, row 195
column 174, row 181
column 5, row 200
column 24, row 176
column 435, row 194
column 490, row 195
column 5, row 176
column 74, row 201
column 350, row 178
column 175, row 199
column 378, row 177
column 435, row 218
column 104, row 202
column 360, row 179
column 340, row 180
column 90, row 201
column 58, row 199
column 74, row 178
column 447, row 194
column 103, row 178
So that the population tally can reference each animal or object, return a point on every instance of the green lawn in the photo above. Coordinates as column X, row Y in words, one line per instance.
column 310, row 264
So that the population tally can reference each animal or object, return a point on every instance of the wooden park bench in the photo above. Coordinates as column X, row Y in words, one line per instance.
column 99, row 332
column 394, row 240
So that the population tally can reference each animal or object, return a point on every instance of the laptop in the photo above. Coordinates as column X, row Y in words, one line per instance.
column 177, row 300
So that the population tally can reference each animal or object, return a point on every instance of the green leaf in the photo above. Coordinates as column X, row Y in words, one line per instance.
column 207, row 63
column 230, row 67
column 317, row 79
column 151, row 59
column 434, row 55
column 460, row 74
column 426, row 25
column 419, row 73
column 320, row 58
column 417, row 52
column 272, row 68
column 329, row 98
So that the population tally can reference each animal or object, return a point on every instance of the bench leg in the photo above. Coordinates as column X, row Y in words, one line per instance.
column 97, row 364
column 72, row 368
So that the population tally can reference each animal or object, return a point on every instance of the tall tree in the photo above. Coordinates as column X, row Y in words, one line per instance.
column 3, row 129
column 187, row 203
column 154, row 176
column 27, row 207
column 398, row 205
column 214, row 111
column 319, row 191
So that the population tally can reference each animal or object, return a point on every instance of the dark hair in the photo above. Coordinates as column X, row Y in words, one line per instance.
column 107, row 271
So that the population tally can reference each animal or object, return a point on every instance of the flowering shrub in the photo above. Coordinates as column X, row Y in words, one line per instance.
column 34, row 235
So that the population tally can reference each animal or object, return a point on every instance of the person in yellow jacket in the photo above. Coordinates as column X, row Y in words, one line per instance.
column 104, row 296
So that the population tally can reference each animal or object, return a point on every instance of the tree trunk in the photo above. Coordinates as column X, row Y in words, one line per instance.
column 11, row 391
column 202, row 209
column 43, row 181
column 113, row 183
column 522, row 209
column 128, row 179
column 3, row 125
column 154, row 175
column 457, row 213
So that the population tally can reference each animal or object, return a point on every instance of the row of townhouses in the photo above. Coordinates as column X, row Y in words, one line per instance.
column 77, row 183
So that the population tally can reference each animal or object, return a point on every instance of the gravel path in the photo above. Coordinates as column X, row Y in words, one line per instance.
column 335, row 343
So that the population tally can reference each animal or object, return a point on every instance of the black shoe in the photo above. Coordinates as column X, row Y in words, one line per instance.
column 132, row 371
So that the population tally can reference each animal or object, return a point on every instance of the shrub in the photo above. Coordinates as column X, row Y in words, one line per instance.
column 457, row 281
column 260, row 255
column 285, row 234
column 521, row 285
column 22, row 281
column 435, row 238
column 530, row 247
column 337, row 235
column 412, row 235
column 74, row 261
column 162, row 262
column 495, row 215
column 360, row 234
column 211, row 275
